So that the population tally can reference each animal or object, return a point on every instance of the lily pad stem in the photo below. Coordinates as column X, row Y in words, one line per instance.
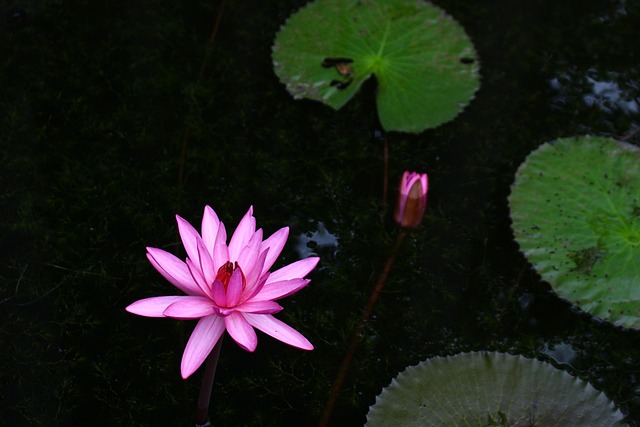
column 184, row 146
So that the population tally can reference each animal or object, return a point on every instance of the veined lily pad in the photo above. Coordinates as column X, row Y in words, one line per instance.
column 424, row 63
column 490, row 389
column 575, row 207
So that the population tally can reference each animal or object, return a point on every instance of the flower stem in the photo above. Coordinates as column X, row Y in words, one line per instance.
column 202, row 413
column 357, row 334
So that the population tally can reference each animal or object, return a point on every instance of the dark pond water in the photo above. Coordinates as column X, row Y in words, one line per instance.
column 100, row 98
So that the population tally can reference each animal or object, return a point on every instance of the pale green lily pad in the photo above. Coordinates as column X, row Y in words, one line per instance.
column 575, row 208
column 490, row 389
column 424, row 63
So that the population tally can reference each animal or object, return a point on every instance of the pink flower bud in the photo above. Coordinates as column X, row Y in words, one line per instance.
column 412, row 199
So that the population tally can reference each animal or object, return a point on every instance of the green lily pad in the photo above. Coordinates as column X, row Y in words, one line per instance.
column 575, row 208
column 424, row 63
column 490, row 389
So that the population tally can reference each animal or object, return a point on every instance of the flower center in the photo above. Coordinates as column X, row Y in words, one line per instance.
column 226, row 271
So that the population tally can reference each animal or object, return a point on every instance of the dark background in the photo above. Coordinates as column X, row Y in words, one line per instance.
column 99, row 100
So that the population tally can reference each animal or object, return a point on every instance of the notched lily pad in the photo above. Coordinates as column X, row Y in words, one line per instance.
column 490, row 389
column 574, row 207
column 425, row 65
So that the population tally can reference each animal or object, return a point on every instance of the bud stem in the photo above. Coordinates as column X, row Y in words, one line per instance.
column 357, row 334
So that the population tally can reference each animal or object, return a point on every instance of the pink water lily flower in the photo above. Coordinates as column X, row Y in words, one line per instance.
column 228, row 287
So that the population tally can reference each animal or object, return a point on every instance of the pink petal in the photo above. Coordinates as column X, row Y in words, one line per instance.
column 219, row 294
column 234, row 288
column 172, row 269
column 296, row 270
column 255, row 289
column 220, row 250
column 259, row 307
column 210, row 225
column 203, row 286
column 203, row 338
column 253, row 277
column 206, row 263
column 274, row 243
column 249, row 254
column 281, row 289
column 241, row 331
column 277, row 329
column 241, row 236
column 190, row 238
column 190, row 308
column 153, row 307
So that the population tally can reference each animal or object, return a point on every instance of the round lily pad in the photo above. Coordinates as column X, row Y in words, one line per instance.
column 575, row 208
column 490, row 389
column 425, row 65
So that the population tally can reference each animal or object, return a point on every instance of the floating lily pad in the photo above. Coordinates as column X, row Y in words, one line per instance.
column 575, row 207
column 490, row 389
column 424, row 63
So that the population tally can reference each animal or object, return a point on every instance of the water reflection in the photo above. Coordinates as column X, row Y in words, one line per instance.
column 562, row 353
column 307, row 244
column 607, row 94
column 603, row 92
